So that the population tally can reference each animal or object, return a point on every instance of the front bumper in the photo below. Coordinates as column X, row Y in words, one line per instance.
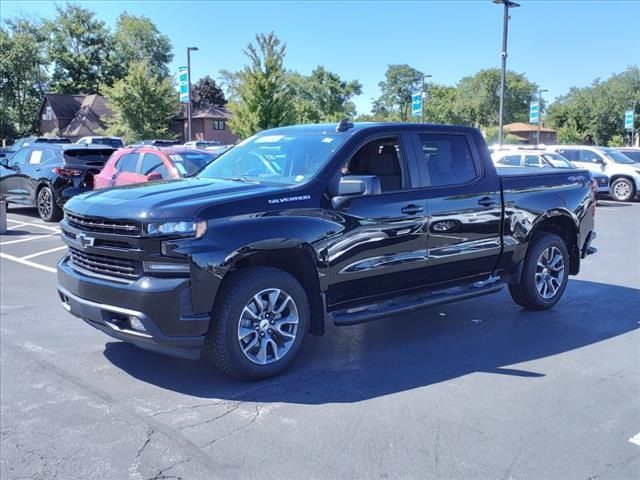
column 161, row 305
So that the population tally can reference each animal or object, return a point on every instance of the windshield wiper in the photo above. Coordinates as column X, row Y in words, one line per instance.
column 240, row 179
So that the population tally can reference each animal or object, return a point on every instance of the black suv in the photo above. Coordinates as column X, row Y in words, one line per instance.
column 46, row 175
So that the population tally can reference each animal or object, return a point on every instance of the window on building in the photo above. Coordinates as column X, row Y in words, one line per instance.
column 48, row 114
column 218, row 124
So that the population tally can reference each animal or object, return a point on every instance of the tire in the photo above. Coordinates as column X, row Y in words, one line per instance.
column 544, row 276
column 240, row 325
column 622, row 190
column 48, row 209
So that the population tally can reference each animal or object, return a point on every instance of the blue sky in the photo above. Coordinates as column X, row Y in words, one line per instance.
column 557, row 44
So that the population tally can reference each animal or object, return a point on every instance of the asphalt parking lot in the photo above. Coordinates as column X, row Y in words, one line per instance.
column 479, row 389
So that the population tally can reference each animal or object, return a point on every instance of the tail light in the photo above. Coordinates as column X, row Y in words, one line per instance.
column 68, row 172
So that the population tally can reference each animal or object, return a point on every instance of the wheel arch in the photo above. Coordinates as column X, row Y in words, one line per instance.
column 564, row 225
column 301, row 263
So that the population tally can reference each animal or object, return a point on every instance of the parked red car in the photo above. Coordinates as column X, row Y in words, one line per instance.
column 144, row 164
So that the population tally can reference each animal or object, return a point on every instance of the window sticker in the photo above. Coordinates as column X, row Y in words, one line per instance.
column 36, row 157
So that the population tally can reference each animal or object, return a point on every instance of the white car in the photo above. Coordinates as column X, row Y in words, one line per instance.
column 201, row 144
column 623, row 173
column 542, row 158
column 115, row 142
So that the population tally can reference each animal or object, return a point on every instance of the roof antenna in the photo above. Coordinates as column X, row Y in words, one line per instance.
column 344, row 125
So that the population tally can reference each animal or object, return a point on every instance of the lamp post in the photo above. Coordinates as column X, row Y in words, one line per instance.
column 505, row 29
column 539, row 113
column 423, row 95
column 189, row 50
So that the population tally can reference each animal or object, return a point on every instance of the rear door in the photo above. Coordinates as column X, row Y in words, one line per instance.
column 127, row 170
column 463, row 207
column 378, row 243
column 151, row 163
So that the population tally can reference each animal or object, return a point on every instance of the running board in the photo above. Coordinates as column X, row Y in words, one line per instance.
column 408, row 303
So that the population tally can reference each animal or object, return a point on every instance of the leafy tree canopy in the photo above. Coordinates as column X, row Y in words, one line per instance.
column 205, row 92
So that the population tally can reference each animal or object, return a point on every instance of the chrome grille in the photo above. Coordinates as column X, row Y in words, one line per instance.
column 104, row 225
column 106, row 265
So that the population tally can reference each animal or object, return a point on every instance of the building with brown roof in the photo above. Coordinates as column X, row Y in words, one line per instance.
column 527, row 133
column 209, row 123
column 73, row 116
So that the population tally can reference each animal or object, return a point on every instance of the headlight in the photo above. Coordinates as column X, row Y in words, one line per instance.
column 196, row 229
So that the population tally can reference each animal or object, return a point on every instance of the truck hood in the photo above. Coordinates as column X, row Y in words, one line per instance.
column 170, row 199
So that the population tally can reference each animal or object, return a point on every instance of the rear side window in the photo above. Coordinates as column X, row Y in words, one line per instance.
column 511, row 160
column 150, row 162
column 632, row 154
column 128, row 163
column 447, row 159
column 589, row 156
column 569, row 154
column 40, row 156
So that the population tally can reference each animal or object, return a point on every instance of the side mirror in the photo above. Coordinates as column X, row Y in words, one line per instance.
column 154, row 176
column 355, row 186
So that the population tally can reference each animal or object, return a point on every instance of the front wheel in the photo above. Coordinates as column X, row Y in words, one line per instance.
column 48, row 209
column 259, row 321
column 622, row 190
column 544, row 274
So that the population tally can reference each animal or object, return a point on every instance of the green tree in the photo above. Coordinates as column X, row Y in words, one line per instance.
column 323, row 96
column 400, row 82
column 143, row 104
column 440, row 105
column 597, row 111
column 491, row 136
column 478, row 98
column 78, row 47
column 136, row 38
column 23, row 77
column 261, row 97
column 570, row 134
column 205, row 92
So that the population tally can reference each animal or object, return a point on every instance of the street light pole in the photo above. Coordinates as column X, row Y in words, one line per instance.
column 539, row 113
column 422, row 95
column 505, row 30
column 189, row 50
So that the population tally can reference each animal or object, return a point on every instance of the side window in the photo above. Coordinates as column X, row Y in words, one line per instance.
column 150, row 161
column 82, row 141
column 128, row 163
column 589, row 156
column 511, row 160
column 447, row 158
column 20, row 157
column 569, row 154
column 532, row 161
column 381, row 158
column 40, row 156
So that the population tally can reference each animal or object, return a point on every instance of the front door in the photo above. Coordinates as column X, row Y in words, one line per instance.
column 463, row 207
column 377, row 245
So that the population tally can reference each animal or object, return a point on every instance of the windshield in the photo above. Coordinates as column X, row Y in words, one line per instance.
column 190, row 163
column 557, row 160
column 617, row 157
column 285, row 159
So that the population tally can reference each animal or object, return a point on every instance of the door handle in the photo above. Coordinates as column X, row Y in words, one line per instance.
column 487, row 202
column 411, row 209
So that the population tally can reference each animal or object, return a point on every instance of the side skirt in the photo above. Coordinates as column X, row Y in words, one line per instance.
column 408, row 303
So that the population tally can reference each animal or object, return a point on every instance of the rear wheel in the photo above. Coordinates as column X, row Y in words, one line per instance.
column 48, row 209
column 544, row 274
column 622, row 190
column 258, row 324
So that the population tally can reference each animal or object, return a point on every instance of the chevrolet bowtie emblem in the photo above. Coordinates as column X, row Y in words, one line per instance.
column 85, row 240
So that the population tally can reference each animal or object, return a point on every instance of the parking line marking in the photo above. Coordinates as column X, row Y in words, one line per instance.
column 29, row 238
column 37, row 254
column 635, row 439
column 17, row 226
column 27, row 263
column 46, row 227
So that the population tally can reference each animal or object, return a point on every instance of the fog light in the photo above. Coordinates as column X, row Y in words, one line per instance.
column 136, row 324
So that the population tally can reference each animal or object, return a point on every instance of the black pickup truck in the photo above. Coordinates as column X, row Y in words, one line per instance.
column 298, row 226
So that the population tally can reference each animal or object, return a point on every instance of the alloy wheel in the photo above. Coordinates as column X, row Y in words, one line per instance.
column 621, row 190
column 45, row 203
column 549, row 272
column 268, row 326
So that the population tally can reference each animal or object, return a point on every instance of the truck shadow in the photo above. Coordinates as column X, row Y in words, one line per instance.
column 490, row 335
